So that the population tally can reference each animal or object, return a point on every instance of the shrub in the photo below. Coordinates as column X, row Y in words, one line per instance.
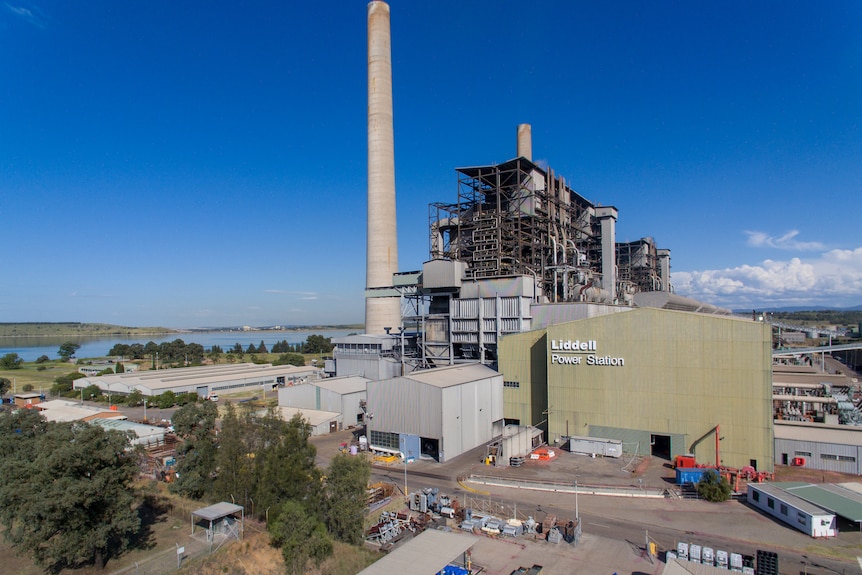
column 713, row 487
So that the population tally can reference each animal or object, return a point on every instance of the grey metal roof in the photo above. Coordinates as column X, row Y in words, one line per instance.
column 61, row 410
column 777, row 491
column 194, row 376
column 217, row 511
column 818, row 433
column 425, row 554
column 314, row 417
column 834, row 498
column 343, row 385
column 452, row 375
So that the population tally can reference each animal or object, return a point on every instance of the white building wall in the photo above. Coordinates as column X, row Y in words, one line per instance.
column 814, row 524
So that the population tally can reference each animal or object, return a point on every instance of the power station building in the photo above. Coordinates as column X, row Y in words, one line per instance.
column 663, row 382
column 585, row 333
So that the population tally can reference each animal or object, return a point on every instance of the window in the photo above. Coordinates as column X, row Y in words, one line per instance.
column 831, row 457
column 800, row 518
column 515, row 384
column 384, row 439
column 802, row 453
column 783, row 509
column 755, row 495
column 770, row 502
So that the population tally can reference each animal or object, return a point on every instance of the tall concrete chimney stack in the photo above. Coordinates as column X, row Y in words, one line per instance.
column 525, row 141
column 382, row 238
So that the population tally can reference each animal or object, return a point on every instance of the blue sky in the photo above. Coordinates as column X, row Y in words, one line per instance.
column 198, row 164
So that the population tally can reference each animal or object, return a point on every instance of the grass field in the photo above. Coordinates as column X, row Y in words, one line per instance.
column 39, row 379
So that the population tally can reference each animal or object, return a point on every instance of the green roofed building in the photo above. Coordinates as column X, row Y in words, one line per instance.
column 663, row 382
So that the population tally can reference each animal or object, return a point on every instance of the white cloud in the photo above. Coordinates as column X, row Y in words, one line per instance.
column 26, row 14
column 833, row 278
column 301, row 294
column 785, row 242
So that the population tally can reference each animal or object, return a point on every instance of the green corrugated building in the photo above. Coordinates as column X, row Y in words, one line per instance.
column 660, row 381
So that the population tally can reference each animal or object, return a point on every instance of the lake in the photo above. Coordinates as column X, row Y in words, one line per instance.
column 31, row 348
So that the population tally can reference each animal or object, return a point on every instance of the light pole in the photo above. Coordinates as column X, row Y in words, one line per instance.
column 145, row 410
column 404, row 457
column 577, row 514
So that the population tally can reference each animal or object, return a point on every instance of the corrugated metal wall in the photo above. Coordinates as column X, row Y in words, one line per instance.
column 401, row 405
column 635, row 441
column 526, row 401
column 681, row 374
column 821, row 456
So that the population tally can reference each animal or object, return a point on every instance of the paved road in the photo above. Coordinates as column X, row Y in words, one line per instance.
column 731, row 526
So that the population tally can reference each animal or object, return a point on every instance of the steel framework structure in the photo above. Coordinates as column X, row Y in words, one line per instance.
column 515, row 218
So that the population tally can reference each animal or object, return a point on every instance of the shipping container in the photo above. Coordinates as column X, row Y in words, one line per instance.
column 690, row 474
column 595, row 446
column 707, row 556
column 682, row 550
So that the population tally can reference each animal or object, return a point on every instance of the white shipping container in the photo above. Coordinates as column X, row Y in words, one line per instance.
column 694, row 553
column 595, row 446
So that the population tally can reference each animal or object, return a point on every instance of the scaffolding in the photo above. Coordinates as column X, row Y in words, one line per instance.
column 514, row 219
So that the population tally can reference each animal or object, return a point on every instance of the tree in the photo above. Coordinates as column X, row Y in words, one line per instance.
column 288, row 470
column 5, row 385
column 346, row 484
column 262, row 347
column 42, row 358
column 119, row 367
column 167, row 400
column 195, row 424
column 134, row 398
column 92, row 391
column 11, row 361
column 27, row 387
column 66, row 494
column 136, row 351
column 63, row 383
column 235, row 479
column 119, row 350
column 317, row 344
column 713, row 487
column 300, row 535
column 215, row 353
column 251, row 348
column 67, row 350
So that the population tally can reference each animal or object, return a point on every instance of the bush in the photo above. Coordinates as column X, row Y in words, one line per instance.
column 290, row 359
column 713, row 487
column 63, row 383
column 167, row 400
column 42, row 359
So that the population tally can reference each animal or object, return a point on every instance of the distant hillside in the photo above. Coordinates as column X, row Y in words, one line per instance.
column 823, row 316
column 74, row 328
